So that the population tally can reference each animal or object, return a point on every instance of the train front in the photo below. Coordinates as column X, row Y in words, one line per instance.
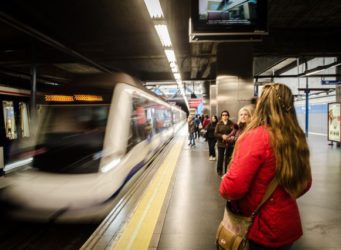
column 63, row 157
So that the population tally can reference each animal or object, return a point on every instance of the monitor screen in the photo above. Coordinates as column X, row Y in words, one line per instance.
column 228, row 15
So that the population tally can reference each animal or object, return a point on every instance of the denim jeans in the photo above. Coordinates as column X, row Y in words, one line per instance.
column 191, row 139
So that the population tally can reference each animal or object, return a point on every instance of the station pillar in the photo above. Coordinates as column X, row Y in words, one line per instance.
column 338, row 93
column 234, row 83
column 213, row 101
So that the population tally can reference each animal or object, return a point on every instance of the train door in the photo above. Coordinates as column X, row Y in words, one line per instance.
column 9, row 120
column 14, row 123
column 24, row 120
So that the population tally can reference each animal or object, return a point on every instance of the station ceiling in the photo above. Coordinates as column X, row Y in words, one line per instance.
column 65, row 38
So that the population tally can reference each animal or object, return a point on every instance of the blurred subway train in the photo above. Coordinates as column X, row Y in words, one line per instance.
column 90, row 139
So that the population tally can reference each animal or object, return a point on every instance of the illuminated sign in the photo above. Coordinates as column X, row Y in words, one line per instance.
column 88, row 98
column 72, row 98
column 194, row 102
column 59, row 98
column 330, row 82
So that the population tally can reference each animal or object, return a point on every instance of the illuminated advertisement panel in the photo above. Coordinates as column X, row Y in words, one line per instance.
column 334, row 122
column 194, row 102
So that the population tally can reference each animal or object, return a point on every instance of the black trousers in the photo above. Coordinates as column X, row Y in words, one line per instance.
column 255, row 246
column 224, row 157
column 211, row 146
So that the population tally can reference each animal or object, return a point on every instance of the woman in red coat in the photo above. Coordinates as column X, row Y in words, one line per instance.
column 273, row 145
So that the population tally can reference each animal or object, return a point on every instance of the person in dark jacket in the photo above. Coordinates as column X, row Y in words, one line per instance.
column 211, row 140
column 198, row 124
column 222, row 130
column 191, row 131
column 272, row 146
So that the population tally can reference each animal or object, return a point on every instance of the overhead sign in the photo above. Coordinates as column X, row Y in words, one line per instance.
column 330, row 82
column 334, row 121
column 194, row 102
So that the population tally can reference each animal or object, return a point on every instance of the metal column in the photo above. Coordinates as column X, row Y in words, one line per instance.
column 307, row 107
column 33, row 93
column 2, row 161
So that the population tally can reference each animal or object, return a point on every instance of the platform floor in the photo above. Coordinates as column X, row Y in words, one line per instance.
column 196, row 208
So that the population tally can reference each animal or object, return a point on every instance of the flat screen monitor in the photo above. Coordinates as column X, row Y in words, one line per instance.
column 229, row 17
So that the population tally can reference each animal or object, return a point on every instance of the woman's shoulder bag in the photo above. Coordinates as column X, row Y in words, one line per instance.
column 233, row 229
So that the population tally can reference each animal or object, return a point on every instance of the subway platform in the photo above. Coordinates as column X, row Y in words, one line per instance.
column 190, row 208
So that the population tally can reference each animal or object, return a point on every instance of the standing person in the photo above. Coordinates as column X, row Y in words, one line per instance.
column 223, row 128
column 206, row 122
column 211, row 140
column 191, row 131
column 272, row 146
column 197, row 122
column 244, row 118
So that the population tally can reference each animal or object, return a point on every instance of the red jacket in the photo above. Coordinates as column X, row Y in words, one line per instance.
column 252, row 168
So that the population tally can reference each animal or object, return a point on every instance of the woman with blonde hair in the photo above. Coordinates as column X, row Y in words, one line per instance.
column 273, row 146
column 244, row 118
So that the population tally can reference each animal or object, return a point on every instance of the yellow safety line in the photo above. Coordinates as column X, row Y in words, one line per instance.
column 139, row 230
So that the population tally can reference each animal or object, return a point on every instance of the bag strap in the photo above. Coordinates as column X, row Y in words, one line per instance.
column 269, row 191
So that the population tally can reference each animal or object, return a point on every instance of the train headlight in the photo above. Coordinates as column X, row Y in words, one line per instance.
column 17, row 164
column 113, row 163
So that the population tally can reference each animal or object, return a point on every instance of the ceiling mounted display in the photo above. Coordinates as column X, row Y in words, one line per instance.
column 230, row 20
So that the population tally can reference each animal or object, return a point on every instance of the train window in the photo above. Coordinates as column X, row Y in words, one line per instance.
column 9, row 120
column 24, row 120
column 71, row 135
column 163, row 118
column 149, row 119
column 141, row 126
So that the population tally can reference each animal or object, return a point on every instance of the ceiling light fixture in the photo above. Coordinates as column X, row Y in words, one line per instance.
column 175, row 69
column 162, row 31
column 156, row 14
column 170, row 55
column 177, row 76
column 154, row 8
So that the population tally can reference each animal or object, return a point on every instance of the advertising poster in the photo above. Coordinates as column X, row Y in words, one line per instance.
column 194, row 102
column 334, row 122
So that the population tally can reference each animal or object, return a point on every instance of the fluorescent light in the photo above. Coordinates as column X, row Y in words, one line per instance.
column 154, row 8
column 175, row 68
column 177, row 76
column 162, row 31
column 170, row 55
column 155, row 12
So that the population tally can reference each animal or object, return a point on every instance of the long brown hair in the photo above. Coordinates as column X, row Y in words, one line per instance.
column 275, row 110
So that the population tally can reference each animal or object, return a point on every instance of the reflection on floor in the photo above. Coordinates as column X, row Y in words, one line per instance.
column 196, row 208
